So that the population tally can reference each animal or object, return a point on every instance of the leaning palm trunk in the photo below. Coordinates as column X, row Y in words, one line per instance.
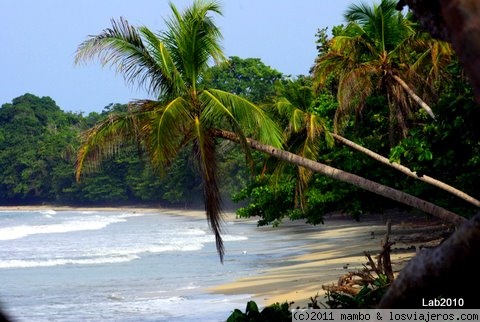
column 407, row 171
column 347, row 177
column 414, row 96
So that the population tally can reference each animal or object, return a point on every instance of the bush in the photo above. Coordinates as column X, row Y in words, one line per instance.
column 274, row 313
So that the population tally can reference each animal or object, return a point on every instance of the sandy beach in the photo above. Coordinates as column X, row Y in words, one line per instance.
column 332, row 250
column 326, row 252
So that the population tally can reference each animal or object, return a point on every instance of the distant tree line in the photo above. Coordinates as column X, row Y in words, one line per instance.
column 39, row 143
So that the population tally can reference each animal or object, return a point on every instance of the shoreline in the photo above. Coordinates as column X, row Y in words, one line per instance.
column 329, row 251
column 334, row 249
column 190, row 212
column 326, row 252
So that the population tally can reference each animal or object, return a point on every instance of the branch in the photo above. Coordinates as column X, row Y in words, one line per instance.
column 408, row 172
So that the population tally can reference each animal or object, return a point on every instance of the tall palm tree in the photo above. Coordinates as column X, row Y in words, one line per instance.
column 170, row 64
column 380, row 50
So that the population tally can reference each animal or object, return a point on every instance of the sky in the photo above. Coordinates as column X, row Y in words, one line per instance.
column 39, row 39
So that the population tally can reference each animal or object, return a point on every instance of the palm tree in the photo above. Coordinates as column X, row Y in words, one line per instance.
column 170, row 64
column 350, row 178
column 304, row 128
column 380, row 50
column 405, row 170
column 456, row 23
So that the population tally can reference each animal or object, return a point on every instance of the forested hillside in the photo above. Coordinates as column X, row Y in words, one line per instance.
column 38, row 144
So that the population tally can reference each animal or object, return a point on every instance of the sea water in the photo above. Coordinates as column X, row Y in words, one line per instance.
column 125, row 265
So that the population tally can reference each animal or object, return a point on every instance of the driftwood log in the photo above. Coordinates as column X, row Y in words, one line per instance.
column 352, row 282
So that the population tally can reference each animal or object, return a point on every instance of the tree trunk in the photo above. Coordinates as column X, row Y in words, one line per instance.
column 347, row 177
column 462, row 18
column 407, row 171
column 449, row 271
column 414, row 96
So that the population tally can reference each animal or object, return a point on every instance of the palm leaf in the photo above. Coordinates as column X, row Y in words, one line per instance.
column 168, row 130
column 204, row 146
column 193, row 39
column 105, row 140
column 173, row 82
column 353, row 89
column 121, row 46
column 243, row 114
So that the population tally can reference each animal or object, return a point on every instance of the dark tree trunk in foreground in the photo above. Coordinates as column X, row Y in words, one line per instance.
column 347, row 177
column 450, row 270
column 447, row 271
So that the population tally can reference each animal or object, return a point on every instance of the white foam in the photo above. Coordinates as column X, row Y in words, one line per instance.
column 16, row 232
column 15, row 263
column 152, row 249
column 192, row 232
column 48, row 212
column 191, row 286
column 170, row 244
column 116, row 297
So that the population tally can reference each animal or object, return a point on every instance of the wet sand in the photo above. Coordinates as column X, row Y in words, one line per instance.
column 332, row 250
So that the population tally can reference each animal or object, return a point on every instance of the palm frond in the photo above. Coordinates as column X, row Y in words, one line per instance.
column 122, row 47
column 193, row 39
column 168, row 130
column 173, row 82
column 381, row 23
column 347, row 53
column 243, row 114
column 354, row 88
column 204, row 145
column 435, row 55
column 105, row 140
column 289, row 113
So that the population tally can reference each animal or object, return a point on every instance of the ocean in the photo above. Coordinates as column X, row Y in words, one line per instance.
column 126, row 265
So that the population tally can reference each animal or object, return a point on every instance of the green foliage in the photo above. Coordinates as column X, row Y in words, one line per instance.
column 36, row 137
column 380, row 52
column 172, row 65
column 269, row 202
column 276, row 312
column 249, row 78
column 412, row 148
column 447, row 148
column 39, row 142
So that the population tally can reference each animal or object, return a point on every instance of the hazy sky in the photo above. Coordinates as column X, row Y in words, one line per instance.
column 39, row 38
